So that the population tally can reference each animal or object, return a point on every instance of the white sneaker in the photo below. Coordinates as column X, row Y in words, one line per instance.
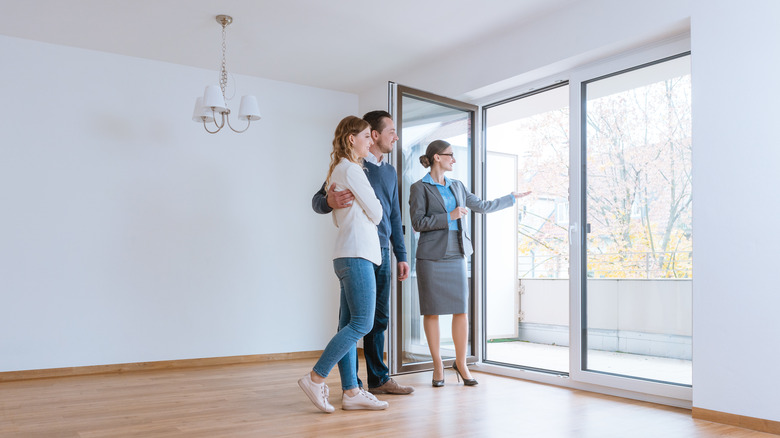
column 362, row 400
column 317, row 393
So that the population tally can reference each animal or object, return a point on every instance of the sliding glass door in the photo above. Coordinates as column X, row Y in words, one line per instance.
column 527, row 248
column 637, row 198
column 590, row 276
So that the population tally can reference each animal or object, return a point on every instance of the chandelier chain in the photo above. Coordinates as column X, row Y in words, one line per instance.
column 223, row 75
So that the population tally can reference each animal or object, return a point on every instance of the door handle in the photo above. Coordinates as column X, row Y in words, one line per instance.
column 573, row 229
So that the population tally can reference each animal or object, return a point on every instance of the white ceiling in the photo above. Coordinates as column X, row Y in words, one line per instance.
column 347, row 45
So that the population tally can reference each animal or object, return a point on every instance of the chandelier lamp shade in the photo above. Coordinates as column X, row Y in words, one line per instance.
column 211, row 109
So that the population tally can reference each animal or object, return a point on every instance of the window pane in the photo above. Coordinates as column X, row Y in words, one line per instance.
column 527, row 258
column 638, row 207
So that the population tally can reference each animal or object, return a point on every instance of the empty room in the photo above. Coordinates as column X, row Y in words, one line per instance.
column 175, row 232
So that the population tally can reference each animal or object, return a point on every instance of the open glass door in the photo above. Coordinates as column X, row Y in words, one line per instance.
column 420, row 118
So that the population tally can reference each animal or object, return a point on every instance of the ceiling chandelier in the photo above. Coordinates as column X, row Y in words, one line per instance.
column 211, row 108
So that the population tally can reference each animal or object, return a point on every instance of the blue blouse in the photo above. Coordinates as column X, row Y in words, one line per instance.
column 449, row 199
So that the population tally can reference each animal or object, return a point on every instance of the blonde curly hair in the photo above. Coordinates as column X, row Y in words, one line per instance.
column 342, row 147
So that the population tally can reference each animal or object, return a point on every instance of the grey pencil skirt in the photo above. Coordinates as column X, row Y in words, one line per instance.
column 442, row 284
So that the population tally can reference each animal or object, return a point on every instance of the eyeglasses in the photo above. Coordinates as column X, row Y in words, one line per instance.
column 450, row 154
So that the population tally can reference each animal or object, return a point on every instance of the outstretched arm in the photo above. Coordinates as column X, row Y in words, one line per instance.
column 479, row 206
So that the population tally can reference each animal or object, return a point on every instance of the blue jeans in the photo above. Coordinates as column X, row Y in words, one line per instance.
column 374, row 341
column 358, row 300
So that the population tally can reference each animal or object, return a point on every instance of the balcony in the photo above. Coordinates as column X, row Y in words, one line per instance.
column 635, row 327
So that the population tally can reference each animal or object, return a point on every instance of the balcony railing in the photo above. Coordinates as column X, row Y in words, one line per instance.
column 633, row 265
column 629, row 315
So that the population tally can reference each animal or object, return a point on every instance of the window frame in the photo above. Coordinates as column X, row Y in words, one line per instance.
column 578, row 378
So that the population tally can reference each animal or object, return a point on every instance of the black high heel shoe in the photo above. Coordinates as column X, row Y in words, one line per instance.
column 467, row 382
column 437, row 383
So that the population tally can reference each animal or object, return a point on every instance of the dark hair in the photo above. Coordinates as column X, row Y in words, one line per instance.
column 434, row 148
column 374, row 118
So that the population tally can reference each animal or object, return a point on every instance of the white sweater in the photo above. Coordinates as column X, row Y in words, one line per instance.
column 357, row 234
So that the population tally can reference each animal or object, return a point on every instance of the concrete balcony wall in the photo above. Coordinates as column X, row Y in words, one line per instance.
column 651, row 317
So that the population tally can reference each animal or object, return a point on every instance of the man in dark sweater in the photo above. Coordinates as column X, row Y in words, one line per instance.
column 384, row 180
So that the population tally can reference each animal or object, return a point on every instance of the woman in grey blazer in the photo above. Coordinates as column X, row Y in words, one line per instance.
column 438, row 207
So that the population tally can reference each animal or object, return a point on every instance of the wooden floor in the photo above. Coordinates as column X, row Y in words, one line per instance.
column 263, row 400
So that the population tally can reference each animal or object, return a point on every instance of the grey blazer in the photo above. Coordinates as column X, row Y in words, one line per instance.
column 429, row 217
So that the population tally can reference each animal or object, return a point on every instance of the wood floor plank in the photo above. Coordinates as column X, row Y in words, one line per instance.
column 263, row 400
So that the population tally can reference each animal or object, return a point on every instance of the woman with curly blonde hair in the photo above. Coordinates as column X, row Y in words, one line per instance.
column 357, row 251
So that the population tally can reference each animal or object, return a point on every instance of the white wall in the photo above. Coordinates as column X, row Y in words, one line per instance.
column 129, row 234
column 736, row 328
column 735, row 64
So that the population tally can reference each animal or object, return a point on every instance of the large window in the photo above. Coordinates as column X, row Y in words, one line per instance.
column 527, row 248
column 588, row 278
column 638, row 256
